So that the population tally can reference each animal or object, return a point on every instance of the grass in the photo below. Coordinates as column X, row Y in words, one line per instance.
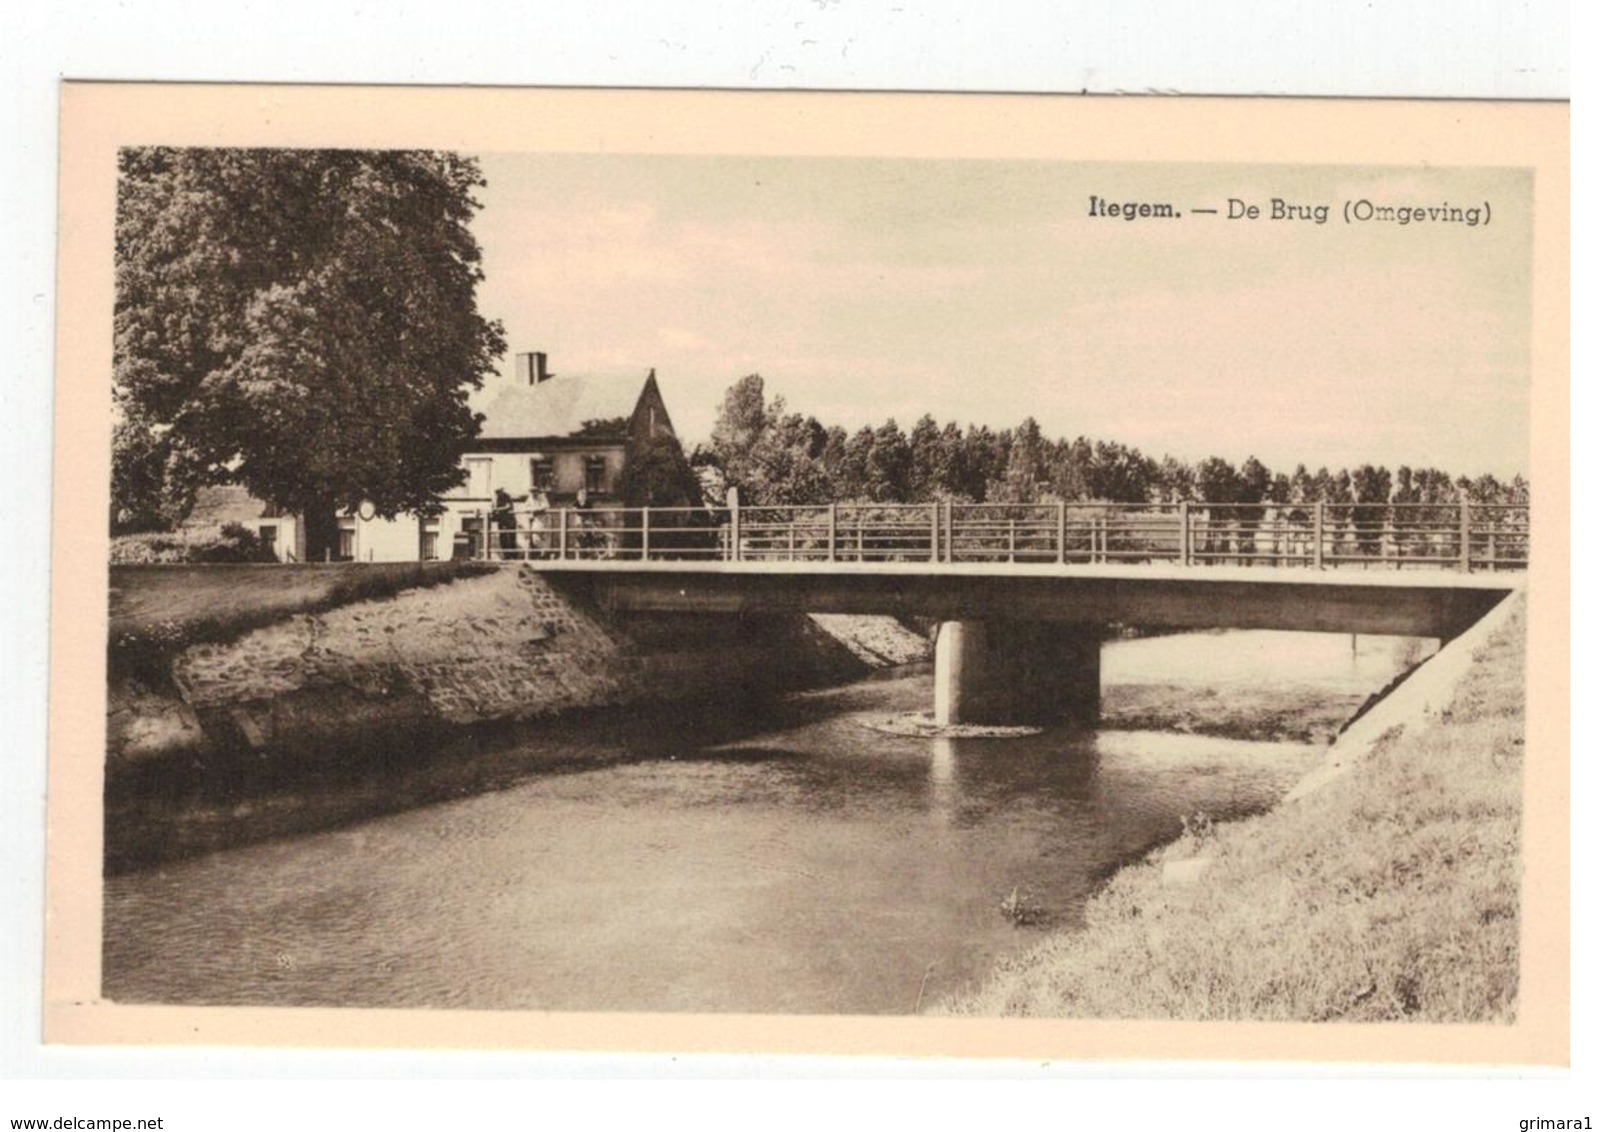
column 1392, row 893
column 1272, row 713
column 157, row 611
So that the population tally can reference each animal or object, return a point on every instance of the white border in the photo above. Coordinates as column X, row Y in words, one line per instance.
column 1345, row 47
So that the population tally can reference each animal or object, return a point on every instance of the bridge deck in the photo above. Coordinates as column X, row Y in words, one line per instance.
column 1405, row 603
column 1417, row 569
column 1388, row 577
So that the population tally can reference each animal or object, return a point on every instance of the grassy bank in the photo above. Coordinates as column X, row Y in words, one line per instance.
column 1391, row 893
column 157, row 611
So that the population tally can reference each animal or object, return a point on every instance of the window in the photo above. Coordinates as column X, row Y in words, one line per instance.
column 541, row 473
column 478, row 476
column 594, row 474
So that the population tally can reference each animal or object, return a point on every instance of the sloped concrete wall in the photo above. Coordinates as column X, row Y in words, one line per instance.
column 1417, row 702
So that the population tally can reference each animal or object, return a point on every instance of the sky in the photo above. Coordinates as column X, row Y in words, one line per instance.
column 985, row 292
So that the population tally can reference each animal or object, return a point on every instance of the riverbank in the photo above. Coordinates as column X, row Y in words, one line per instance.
column 1389, row 892
column 210, row 660
column 246, row 703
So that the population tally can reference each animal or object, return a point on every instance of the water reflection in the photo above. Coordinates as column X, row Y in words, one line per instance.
column 943, row 780
column 814, row 865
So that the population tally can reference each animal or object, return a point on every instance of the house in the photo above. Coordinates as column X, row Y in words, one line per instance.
column 547, row 441
column 217, row 507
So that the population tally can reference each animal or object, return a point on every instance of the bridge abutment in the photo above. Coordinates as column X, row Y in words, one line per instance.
column 1009, row 672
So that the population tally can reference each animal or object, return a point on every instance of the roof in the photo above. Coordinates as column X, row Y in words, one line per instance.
column 559, row 406
column 215, row 506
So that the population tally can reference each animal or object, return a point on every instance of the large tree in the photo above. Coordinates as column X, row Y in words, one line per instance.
column 302, row 322
column 742, row 423
column 771, row 456
column 889, row 464
column 1026, row 467
column 1121, row 474
column 927, row 479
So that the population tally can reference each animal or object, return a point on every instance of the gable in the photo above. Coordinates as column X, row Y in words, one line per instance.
column 215, row 506
column 650, row 414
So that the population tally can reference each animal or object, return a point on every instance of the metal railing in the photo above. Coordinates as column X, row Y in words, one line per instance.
column 1440, row 536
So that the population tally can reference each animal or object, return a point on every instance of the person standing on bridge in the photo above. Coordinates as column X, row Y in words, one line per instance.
column 538, row 523
column 504, row 519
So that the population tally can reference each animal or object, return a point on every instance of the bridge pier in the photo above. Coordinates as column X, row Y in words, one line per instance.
column 1010, row 672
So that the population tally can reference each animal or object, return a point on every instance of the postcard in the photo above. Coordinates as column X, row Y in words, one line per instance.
column 979, row 576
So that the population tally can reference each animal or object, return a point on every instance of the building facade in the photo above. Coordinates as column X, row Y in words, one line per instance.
column 280, row 534
column 547, row 441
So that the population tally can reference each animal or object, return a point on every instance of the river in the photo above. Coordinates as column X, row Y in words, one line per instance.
column 787, row 860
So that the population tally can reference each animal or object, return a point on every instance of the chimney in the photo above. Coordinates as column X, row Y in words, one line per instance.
column 531, row 368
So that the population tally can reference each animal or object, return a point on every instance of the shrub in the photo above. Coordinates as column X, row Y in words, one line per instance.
column 234, row 542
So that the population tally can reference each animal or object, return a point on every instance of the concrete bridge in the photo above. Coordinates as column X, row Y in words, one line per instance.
column 1024, row 593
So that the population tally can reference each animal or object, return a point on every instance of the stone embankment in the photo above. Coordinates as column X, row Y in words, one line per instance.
column 512, row 645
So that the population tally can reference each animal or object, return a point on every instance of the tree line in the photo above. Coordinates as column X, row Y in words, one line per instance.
column 777, row 457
